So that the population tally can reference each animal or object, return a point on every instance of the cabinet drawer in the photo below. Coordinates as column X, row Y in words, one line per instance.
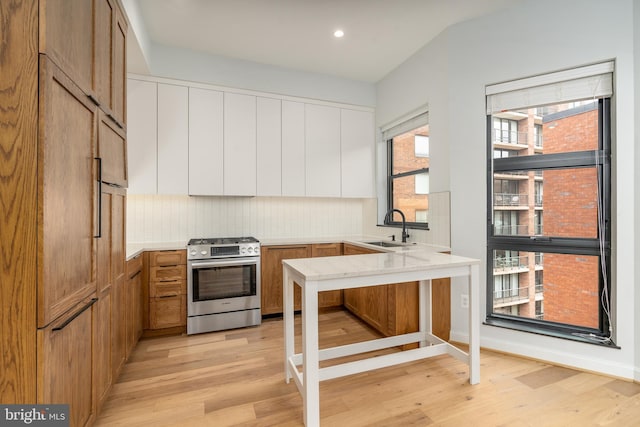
column 166, row 289
column 163, row 274
column 167, row 258
column 167, row 312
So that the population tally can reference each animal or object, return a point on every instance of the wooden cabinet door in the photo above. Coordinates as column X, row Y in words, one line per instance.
column 271, row 276
column 65, row 357
column 135, row 310
column 369, row 303
column 142, row 133
column 66, row 37
column 167, row 312
column 102, row 372
column 239, row 144
column 112, row 150
column 68, row 194
column 328, row 298
column 322, row 151
column 118, row 326
column 109, row 56
column 104, row 16
column 119, row 105
column 206, row 152
column 293, row 157
column 375, row 304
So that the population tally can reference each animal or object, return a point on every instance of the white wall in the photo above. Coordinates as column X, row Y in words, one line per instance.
column 195, row 66
column 180, row 218
column 450, row 74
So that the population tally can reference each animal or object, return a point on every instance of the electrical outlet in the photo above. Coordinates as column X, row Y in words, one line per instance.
column 464, row 301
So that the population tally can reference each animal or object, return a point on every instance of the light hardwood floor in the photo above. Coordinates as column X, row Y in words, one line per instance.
column 236, row 378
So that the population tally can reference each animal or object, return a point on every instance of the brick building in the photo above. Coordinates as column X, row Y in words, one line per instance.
column 555, row 287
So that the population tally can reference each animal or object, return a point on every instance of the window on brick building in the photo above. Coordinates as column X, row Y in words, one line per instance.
column 408, row 171
column 555, row 130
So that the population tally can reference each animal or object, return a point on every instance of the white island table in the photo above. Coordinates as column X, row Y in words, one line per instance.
column 314, row 275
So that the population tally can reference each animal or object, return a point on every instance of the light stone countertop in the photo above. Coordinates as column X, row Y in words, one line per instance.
column 325, row 268
column 134, row 249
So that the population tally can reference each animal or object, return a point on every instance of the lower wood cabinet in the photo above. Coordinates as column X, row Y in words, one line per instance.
column 328, row 298
column 102, row 370
column 271, row 276
column 167, row 311
column 65, row 354
column 134, row 303
column 394, row 309
column 166, row 292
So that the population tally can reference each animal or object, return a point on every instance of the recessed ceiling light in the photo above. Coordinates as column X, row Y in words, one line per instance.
column 338, row 33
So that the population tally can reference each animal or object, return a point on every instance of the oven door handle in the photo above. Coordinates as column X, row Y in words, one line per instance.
column 233, row 262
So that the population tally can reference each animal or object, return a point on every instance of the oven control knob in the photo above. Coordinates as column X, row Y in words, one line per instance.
column 193, row 252
column 203, row 252
column 250, row 249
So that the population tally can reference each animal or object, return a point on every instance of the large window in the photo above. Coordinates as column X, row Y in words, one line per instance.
column 556, row 132
column 408, row 172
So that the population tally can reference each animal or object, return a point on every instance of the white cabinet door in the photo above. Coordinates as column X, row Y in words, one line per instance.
column 239, row 145
column 205, row 142
column 173, row 139
column 269, row 137
column 293, row 158
column 142, row 122
column 358, row 148
column 322, row 150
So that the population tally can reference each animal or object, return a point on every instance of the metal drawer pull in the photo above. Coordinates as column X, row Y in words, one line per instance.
column 168, row 296
column 135, row 275
column 72, row 318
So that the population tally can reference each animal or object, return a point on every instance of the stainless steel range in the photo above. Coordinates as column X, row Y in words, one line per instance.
column 223, row 284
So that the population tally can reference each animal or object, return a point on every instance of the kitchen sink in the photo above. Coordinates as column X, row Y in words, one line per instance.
column 384, row 244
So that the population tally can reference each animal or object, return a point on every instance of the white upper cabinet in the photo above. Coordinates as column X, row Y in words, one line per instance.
column 142, row 121
column 269, row 149
column 204, row 141
column 206, row 163
column 293, row 158
column 239, row 144
column 322, row 150
column 357, row 153
column 173, row 139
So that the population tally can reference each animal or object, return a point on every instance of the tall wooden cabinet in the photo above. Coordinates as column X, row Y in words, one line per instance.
column 63, row 105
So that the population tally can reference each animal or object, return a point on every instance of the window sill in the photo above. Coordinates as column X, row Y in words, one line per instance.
column 551, row 331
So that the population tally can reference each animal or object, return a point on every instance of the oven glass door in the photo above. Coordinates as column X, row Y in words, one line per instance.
column 222, row 280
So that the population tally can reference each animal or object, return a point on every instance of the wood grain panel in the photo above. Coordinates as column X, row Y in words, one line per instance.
column 66, row 37
column 67, row 195
column 328, row 298
column 18, row 187
column 112, row 149
column 65, row 364
column 120, row 68
column 271, row 276
column 167, row 312
column 167, row 258
column 104, row 16
column 102, row 372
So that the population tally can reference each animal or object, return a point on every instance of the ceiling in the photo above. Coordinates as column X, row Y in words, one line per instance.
column 298, row 34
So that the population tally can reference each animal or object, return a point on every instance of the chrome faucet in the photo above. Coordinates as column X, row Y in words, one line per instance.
column 404, row 222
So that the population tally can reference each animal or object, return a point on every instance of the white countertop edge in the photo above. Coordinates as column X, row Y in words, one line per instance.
column 135, row 248
column 328, row 268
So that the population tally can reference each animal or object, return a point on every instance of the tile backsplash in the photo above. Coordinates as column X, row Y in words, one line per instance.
column 159, row 218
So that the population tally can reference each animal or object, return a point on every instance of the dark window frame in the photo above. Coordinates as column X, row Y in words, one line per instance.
column 388, row 220
column 564, row 245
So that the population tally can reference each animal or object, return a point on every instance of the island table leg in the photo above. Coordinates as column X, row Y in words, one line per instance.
column 310, row 358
